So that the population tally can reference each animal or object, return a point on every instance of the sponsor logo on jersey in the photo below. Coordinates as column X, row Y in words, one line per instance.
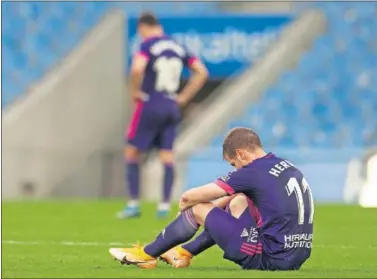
column 244, row 233
column 303, row 240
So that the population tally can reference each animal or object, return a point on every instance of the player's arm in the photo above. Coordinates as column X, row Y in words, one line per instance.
column 139, row 63
column 206, row 193
column 222, row 202
column 234, row 182
column 196, row 81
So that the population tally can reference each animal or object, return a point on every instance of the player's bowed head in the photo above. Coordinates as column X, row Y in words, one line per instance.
column 241, row 147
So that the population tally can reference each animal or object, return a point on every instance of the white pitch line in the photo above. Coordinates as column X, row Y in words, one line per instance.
column 120, row 244
column 63, row 243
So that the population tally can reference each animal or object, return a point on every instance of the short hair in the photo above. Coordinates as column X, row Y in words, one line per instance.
column 243, row 138
column 149, row 19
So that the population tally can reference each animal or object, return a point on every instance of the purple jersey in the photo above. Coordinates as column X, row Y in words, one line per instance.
column 283, row 199
column 156, row 117
column 166, row 60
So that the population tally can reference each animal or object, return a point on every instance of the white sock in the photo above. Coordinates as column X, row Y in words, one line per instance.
column 133, row 203
column 164, row 206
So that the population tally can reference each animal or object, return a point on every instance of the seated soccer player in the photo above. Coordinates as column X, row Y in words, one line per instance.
column 268, row 227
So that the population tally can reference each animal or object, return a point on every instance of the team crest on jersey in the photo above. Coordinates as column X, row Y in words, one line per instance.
column 226, row 177
column 253, row 235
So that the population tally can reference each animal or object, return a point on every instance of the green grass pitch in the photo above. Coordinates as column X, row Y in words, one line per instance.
column 70, row 239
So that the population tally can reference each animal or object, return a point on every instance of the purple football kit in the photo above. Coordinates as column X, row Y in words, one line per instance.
column 275, row 231
column 156, row 117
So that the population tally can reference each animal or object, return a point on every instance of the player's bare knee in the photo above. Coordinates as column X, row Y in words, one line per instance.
column 238, row 205
column 131, row 153
column 166, row 157
column 201, row 211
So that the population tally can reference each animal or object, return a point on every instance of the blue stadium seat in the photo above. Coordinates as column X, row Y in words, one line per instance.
column 330, row 99
column 36, row 35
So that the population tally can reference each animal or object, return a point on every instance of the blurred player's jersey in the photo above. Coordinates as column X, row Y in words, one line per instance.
column 156, row 117
column 283, row 203
column 166, row 60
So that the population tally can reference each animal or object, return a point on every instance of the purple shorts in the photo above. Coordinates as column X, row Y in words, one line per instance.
column 238, row 238
column 241, row 242
column 153, row 125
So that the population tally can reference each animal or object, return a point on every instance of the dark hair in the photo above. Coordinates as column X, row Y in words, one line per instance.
column 240, row 138
column 149, row 19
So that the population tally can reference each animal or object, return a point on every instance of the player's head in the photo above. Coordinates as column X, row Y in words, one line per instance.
column 242, row 146
column 148, row 25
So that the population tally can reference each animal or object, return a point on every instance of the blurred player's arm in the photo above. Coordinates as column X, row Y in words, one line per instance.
column 139, row 63
column 197, row 79
column 206, row 193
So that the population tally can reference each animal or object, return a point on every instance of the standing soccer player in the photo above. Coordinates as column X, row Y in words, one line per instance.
column 268, row 224
column 155, row 78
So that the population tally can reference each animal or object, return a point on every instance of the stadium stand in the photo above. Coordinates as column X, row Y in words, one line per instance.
column 37, row 35
column 323, row 112
column 333, row 83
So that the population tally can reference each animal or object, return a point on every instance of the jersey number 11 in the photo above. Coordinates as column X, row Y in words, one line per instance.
column 293, row 186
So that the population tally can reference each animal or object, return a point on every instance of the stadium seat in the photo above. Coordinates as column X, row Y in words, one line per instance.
column 36, row 35
column 330, row 99
column 326, row 106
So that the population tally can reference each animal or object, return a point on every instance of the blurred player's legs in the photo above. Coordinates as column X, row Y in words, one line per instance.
column 132, row 157
column 165, row 143
column 132, row 171
column 151, row 127
column 167, row 160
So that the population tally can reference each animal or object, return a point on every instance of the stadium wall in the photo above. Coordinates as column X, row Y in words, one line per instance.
column 54, row 136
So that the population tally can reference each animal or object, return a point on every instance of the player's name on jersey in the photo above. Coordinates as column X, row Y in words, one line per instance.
column 280, row 167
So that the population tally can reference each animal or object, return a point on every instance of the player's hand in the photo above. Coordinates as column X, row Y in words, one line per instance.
column 183, row 204
column 181, row 101
column 137, row 96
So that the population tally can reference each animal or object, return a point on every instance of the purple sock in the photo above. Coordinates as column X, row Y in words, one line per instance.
column 180, row 230
column 199, row 244
column 168, row 182
column 202, row 242
column 132, row 177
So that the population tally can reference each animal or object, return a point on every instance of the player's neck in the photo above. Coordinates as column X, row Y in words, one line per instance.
column 259, row 154
column 158, row 32
column 253, row 156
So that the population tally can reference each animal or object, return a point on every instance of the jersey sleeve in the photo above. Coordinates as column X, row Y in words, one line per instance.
column 189, row 58
column 144, row 51
column 237, row 181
